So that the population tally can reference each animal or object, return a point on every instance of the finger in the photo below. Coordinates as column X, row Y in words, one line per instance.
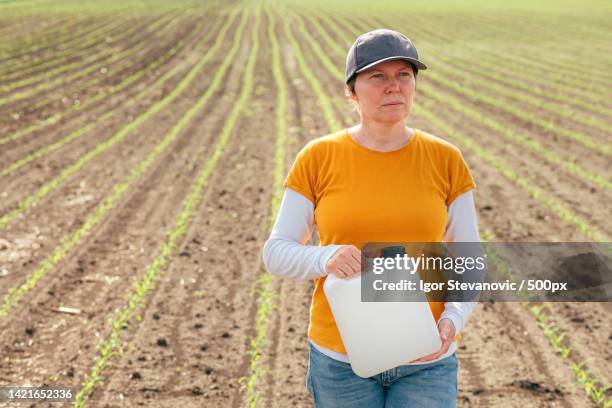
column 356, row 255
column 445, row 346
column 355, row 267
column 337, row 271
column 427, row 357
column 355, row 264
column 443, row 349
column 346, row 271
column 423, row 359
column 446, row 330
column 433, row 356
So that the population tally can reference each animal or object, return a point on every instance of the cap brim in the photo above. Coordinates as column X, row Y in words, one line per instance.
column 418, row 63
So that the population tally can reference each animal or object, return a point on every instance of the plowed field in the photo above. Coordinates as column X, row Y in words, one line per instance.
column 142, row 152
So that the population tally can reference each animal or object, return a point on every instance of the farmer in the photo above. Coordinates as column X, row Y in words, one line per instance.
column 378, row 181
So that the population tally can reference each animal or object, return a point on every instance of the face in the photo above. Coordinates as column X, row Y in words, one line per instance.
column 385, row 91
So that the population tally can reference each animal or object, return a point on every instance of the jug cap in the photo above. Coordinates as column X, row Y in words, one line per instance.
column 392, row 251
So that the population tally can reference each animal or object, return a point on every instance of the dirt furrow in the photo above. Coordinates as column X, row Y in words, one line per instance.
column 96, row 278
column 93, row 92
column 76, row 119
column 19, row 99
column 584, row 199
column 286, row 355
column 201, row 311
column 589, row 329
column 518, row 365
column 31, row 48
column 88, row 45
column 13, row 29
column 65, row 209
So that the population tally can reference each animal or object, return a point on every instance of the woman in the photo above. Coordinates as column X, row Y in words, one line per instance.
column 378, row 181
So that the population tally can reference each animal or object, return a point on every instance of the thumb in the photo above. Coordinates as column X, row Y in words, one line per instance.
column 444, row 329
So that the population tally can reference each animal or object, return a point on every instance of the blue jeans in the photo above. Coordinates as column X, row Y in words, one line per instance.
column 333, row 384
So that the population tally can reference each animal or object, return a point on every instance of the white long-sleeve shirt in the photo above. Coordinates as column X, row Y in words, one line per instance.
column 286, row 254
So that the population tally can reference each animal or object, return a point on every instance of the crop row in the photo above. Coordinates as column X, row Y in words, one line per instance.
column 96, row 217
column 550, row 48
column 520, row 65
column 132, row 79
column 74, row 60
column 265, row 303
column 88, row 47
column 23, row 39
column 263, row 286
column 445, row 80
column 552, row 86
column 101, row 120
column 516, row 57
column 83, row 46
column 512, row 90
column 558, row 339
column 13, row 30
column 109, row 346
column 107, row 71
column 511, row 74
column 61, row 45
column 567, row 77
column 555, row 102
column 112, row 55
column 117, row 61
column 532, row 82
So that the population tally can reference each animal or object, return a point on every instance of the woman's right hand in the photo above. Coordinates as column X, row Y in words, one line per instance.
column 345, row 262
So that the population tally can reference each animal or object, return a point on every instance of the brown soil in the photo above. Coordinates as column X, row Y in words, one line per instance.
column 74, row 119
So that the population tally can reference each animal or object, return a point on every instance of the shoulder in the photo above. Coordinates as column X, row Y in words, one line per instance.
column 437, row 143
column 324, row 144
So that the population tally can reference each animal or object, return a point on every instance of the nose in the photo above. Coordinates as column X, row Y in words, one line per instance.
column 392, row 85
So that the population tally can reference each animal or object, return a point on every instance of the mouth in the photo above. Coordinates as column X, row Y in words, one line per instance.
column 393, row 104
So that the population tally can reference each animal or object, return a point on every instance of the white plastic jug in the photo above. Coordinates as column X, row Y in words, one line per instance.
column 379, row 336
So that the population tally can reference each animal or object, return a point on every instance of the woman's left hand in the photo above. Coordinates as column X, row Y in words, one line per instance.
column 447, row 335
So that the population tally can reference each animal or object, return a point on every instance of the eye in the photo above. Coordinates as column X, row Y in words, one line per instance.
column 377, row 75
column 405, row 73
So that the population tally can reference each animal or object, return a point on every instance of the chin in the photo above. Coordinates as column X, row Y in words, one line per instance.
column 392, row 117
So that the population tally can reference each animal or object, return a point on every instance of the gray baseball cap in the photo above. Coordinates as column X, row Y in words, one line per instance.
column 377, row 46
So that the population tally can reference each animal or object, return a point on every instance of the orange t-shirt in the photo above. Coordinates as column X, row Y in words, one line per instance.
column 362, row 195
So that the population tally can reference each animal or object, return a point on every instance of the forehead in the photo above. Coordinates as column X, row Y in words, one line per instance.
column 391, row 65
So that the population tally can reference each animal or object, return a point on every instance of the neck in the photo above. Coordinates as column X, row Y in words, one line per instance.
column 381, row 136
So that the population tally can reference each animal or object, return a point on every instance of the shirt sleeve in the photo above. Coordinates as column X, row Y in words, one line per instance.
column 302, row 176
column 285, row 253
column 462, row 226
column 461, row 180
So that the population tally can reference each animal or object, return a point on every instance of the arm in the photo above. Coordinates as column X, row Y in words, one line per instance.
column 462, row 226
column 285, row 253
